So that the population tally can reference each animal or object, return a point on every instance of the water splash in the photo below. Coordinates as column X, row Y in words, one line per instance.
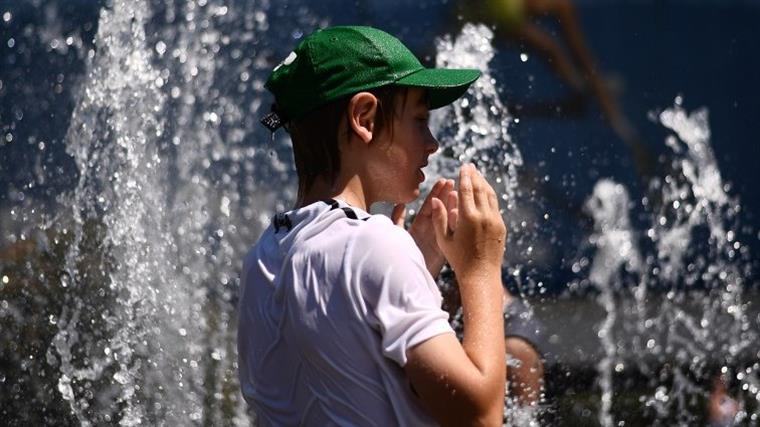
column 615, row 246
column 123, row 95
column 160, row 214
column 475, row 127
column 172, row 185
column 686, row 313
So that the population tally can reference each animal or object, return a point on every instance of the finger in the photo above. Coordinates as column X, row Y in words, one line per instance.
column 493, row 201
column 440, row 220
column 479, row 190
column 466, row 201
column 448, row 187
column 452, row 207
column 453, row 218
column 436, row 191
column 452, row 200
column 399, row 214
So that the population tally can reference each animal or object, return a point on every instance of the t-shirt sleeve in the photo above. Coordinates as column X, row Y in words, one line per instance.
column 402, row 301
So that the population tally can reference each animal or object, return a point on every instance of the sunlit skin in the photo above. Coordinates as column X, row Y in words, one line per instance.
column 458, row 383
column 387, row 166
column 380, row 166
column 526, row 380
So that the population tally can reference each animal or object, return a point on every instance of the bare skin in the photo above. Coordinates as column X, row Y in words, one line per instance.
column 578, row 69
column 575, row 65
column 526, row 380
column 458, row 383
column 422, row 229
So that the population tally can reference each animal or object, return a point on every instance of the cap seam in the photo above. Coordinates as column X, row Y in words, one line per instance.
column 410, row 73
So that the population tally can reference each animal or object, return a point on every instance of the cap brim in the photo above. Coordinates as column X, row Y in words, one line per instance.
column 443, row 85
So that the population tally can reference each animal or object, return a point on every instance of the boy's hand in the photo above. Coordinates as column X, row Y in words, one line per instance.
column 475, row 245
column 422, row 230
column 463, row 384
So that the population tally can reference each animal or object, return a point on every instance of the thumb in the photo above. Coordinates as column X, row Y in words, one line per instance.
column 440, row 220
column 398, row 214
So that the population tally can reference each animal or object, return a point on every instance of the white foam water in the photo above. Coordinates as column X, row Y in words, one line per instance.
column 164, row 206
column 171, row 191
column 676, row 302
column 475, row 127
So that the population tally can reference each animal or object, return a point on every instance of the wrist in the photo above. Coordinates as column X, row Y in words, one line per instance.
column 478, row 271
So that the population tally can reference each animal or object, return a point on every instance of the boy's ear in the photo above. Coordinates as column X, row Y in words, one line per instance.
column 362, row 109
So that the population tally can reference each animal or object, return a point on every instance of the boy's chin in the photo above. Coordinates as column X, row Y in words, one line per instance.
column 413, row 196
column 404, row 198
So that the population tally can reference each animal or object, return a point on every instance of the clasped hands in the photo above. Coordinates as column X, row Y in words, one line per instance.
column 436, row 223
column 422, row 230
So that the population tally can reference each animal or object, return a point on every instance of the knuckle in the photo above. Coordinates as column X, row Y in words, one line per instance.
column 471, row 215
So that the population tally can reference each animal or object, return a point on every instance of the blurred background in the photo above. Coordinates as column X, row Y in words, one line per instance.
column 134, row 175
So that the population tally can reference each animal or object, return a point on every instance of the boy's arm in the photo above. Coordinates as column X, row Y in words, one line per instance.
column 463, row 384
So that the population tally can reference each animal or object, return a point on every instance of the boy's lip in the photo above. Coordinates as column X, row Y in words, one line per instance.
column 422, row 174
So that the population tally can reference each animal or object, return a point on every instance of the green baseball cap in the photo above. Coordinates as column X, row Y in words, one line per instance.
column 338, row 61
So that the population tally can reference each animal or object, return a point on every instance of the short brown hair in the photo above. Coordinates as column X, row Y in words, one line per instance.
column 315, row 136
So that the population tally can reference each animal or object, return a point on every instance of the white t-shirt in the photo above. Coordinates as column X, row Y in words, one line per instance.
column 331, row 299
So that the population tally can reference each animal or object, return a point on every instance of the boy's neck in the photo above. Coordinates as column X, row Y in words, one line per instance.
column 348, row 189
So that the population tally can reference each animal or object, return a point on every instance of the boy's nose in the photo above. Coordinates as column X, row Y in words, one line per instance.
column 431, row 144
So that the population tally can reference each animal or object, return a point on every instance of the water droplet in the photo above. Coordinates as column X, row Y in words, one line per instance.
column 7, row 16
column 121, row 377
column 524, row 57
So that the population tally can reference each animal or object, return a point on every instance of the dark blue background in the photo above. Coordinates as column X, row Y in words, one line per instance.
column 706, row 51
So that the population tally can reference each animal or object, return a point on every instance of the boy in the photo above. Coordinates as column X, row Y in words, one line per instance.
column 340, row 319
